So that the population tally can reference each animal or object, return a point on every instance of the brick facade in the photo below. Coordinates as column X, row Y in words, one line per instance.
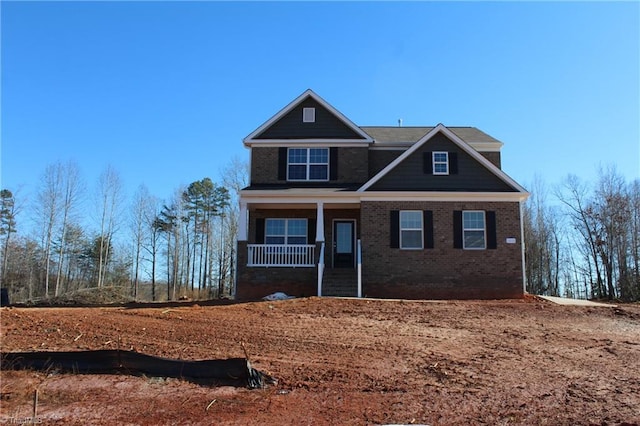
column 442, row 272
column 264, row 165
column 353, row 166
column 255, row 283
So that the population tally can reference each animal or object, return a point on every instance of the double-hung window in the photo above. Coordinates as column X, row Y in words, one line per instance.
column 286, row 231
column 473, row 230
column 440, row 163
column 308, row 164
column 411, row 229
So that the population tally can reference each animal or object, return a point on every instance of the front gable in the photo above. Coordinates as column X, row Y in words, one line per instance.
column 469, row 171
column 290, row 126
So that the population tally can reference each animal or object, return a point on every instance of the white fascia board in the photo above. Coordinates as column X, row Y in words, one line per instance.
column 445, row 196
column 307, row 142
column 455, row 139
column 307, row 93
column 350, row 197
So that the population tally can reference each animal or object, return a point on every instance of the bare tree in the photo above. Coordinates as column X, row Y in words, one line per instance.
column 143, row 202
column 110, row 200
column 234, row 177
column 71, row 190
column 542, row 236
column 47, row 211
column 575, row 196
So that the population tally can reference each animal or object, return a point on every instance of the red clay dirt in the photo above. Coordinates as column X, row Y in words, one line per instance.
column 340, row 361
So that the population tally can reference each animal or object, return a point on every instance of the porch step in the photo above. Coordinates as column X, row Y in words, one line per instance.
column 340, row 283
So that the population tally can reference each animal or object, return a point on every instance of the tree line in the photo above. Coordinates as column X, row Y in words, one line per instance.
column 75, row 239
column 583, row 239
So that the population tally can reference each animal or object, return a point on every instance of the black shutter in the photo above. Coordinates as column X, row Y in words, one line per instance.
column 453, row 163
column 282, row 163
column 333, row 163
column 394, row 230
column 427, row 233
column 427, row 163
column 311, row 231
column 490, row 218
column 260, row 231
column 457, row 229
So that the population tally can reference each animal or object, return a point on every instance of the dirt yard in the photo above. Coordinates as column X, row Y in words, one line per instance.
column 340, row 362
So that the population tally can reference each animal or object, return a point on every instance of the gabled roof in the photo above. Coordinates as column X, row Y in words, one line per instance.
column 252, row 138
column 440, row 128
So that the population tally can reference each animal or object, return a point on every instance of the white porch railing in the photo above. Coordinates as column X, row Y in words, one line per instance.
column 279, row 255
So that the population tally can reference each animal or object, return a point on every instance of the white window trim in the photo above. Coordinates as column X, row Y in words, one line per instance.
column 483, row 229
column 286, row 229
column 308, row 115
column 434, row 162
column 421, row 229
column 308, row 165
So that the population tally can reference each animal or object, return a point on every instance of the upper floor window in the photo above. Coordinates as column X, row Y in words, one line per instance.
column 285, row 231
column 440, row 163
column 308, row 115
column 411, row 229
column 308, row 164
column 473, row 230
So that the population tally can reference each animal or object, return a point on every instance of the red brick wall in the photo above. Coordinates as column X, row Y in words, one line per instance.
column 352, row 165
column 439, row 273
column 255, row 283
column 442, row 272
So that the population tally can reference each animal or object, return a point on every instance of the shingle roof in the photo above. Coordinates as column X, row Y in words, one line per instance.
column 397, row 134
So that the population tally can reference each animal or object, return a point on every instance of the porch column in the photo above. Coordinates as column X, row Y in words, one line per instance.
column 320, row 223
column 242, row 231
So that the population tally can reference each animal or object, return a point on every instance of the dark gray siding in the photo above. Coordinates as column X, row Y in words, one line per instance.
column 327, row 125
column 379, row 159
column 410, row 176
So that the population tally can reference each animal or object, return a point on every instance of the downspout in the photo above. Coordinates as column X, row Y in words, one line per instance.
column 320, row 239
column 522, row 249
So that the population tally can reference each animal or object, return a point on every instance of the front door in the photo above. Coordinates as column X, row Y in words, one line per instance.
column 343, row 243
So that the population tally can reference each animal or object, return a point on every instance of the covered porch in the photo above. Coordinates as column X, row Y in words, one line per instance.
column 303, row 248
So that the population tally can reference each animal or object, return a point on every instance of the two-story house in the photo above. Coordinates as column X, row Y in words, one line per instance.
column 393, row 212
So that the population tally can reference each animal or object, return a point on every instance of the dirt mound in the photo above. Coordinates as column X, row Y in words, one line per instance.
column 341, row 361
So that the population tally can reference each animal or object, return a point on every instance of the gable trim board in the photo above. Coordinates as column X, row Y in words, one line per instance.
column 455, row 139
column 251, row 138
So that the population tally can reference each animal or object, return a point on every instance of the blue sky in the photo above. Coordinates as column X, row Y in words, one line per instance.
column 165, row 91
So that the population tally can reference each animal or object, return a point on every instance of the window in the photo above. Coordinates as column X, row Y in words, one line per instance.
column 308, row 115
column 473, row 230
column 411, row 229
column 285, row 231
column 308, row 164
column 440, row 163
